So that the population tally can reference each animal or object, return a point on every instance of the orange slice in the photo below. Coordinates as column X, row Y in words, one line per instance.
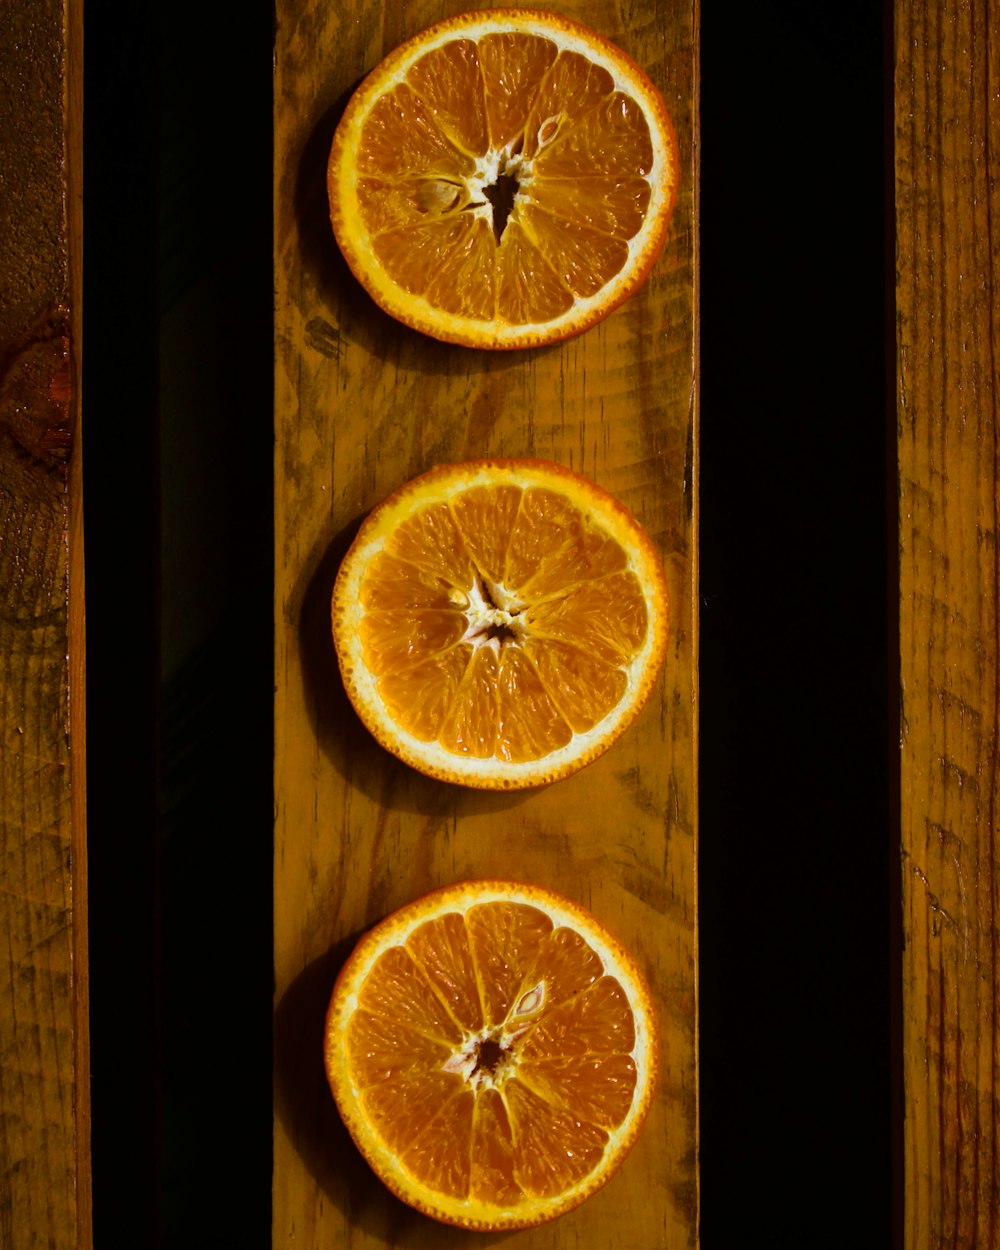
column 503, row 179
column 500, row 623
column 493, row 1052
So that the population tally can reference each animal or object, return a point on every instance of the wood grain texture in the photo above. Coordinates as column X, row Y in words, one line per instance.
column 44, row 1069
column 947, row 119
column 363, row 404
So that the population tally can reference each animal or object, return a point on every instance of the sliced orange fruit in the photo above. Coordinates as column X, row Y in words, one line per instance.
column 503, row 179
column 493, row 1052
column 500, row 623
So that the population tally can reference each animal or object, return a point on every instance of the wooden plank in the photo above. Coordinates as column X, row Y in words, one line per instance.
column 44, row 1068
column 362, row 405
column 947, row 118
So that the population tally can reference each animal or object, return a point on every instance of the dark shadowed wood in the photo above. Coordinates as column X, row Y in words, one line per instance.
column 947, row 123
column 44, row 1068
column 363, row 404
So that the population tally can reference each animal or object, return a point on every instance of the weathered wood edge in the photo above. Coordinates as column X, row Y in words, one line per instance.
column 695, row 571
column 45, row 1180
column 947, row 115
column 77, row 632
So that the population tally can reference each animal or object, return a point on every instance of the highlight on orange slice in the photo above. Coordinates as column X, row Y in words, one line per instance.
column 500, row 623
column 503, row 179
column 493, row 1052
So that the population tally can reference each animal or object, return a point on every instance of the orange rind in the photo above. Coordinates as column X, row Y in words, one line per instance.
column 500, row 623
column 503, row 179
column 493, row 1052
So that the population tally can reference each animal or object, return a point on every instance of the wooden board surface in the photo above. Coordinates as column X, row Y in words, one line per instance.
column 361, row 405
column 44, row 1068
column 947, row 118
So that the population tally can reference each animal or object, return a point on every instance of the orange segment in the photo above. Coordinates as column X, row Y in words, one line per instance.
column 499, row 623
column 401, row 1108
column 485, row 517
column 583, row 686
column 582, row 258
column 556, row 1150
column 417, row 698
column 470, row 726
column 575, row 86
column 449, row 81
column 444, row 260
column 615, row 211
column 598, row 1089
column 491, row 1178
column 529, row 724
column 513, row 66
column 549, row 1067
column 430, row 539
column 597, row 1021
column 447, row 1172
column 565, row 964
column 393, row 584
column 611, row 141
column 389, row 992
column 555, row 545
column 381, row 1047
column 606, row 617
column 392, row 638
column 403, row 134
column 528, row 285
column 441, row 949
column 389, row 209
column 503, row 179
column 503, row 938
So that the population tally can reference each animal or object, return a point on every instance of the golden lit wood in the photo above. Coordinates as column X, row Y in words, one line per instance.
column 361, row 405
column 947, row 119
column 44, row 1066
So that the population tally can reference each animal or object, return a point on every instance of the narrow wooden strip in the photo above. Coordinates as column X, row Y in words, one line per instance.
column 44, row 1079
column 77, row 633
column 363, row 404
column 947, row 117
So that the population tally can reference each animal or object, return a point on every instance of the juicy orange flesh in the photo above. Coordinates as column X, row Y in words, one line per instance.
column 578, row 619
column 562, row 1084
column 583, row 151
